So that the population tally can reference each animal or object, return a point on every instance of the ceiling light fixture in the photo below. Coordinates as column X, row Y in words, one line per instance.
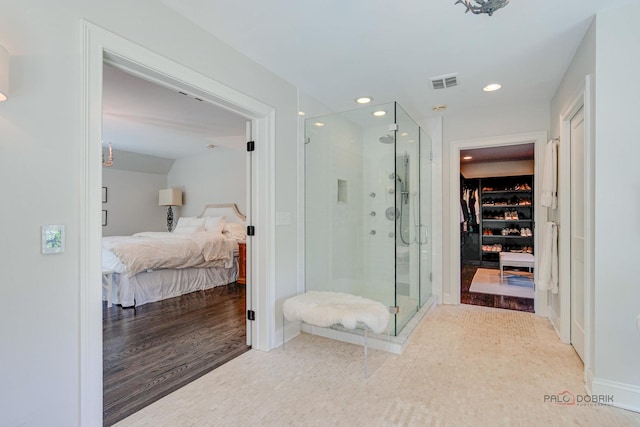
column 467, row 158
column 210, row 146
column 439, row 108
column 404, row 134
column 319, row 124
column 364, row 100
column 484, row 6
column 492, row 87
column 379, row 113
column 301, row 113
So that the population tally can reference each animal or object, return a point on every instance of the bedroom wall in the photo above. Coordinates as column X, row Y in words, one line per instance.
column 132, row 202
column 217, row 176
column 41, row 165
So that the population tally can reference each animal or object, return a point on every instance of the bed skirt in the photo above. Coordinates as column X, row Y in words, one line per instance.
column 157, row 285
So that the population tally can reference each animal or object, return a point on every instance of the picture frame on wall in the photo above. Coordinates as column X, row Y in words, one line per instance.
column 104, row 217
column 104, row 194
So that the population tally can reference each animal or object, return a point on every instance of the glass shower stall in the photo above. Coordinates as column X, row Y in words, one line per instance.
column 368, row 208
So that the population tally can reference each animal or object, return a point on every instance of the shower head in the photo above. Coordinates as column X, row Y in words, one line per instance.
column 387, row 139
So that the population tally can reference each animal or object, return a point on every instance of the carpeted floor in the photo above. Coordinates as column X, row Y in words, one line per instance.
column 467, row 366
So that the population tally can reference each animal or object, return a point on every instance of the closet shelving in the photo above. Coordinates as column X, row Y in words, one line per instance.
column 506, row 219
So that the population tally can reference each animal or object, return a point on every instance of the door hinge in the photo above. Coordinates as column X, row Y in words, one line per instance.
column 430, row 155
column 251, row 230
column 251, row 315
column 431, row 277
column 307, row 140
column 394, row 310
column 251, row 146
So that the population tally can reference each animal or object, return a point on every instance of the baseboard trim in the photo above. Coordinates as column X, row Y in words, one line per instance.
column 588, row 381
column 625, row 396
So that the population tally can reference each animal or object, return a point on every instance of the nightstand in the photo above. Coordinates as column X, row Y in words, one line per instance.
column 242, row 263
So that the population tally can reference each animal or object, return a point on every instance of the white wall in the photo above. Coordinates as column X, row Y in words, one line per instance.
column 617, row 182
column 583, row 64
column 132, row 202
column 480, row 124
column 217, row 176
column 40, row 163
column 496, row 169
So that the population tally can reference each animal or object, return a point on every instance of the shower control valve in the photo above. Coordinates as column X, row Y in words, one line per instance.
column 373, row 213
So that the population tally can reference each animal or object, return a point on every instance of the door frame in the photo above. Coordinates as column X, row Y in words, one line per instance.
column 98, row 46
column 582, row 99
column 538, row 139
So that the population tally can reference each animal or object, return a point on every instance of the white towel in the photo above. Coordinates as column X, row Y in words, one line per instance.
column 548, row 276
column 549, row 197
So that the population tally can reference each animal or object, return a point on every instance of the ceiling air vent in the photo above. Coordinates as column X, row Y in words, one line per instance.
column 444, row 82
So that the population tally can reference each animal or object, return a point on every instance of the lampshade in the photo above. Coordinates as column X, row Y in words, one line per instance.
column 4, row 73
column 170, row 197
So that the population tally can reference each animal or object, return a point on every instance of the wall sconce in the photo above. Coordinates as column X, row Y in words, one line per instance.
column 4, row 74
column 170, row 197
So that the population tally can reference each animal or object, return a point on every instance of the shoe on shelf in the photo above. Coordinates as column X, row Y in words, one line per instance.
column 514, row 215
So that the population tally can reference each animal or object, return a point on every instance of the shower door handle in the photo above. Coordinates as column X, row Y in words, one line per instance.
column 419, row 234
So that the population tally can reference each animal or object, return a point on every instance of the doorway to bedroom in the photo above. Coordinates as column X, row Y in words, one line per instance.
column 172, row 320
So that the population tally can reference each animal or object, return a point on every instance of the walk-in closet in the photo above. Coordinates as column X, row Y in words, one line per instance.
column 497, row 227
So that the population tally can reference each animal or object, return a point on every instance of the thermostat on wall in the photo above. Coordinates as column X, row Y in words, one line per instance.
column 52, row 239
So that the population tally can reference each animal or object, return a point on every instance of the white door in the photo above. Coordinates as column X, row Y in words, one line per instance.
column 577, row 232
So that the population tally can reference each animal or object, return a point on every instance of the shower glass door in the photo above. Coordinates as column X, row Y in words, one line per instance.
column 407, row 201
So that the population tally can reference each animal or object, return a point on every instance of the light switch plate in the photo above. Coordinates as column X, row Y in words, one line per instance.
column 53, row 239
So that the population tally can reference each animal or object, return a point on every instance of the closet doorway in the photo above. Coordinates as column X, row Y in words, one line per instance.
column 496, row 227
column 502, row 222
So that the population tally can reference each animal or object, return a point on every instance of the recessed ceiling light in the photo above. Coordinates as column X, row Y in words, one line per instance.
column 301, row 113
column 492, row 87
column 379, row 113
column 364, row 100
column 404, row 134
column 319, row 124
column 210, row 146
column 440, row 107
column 467, row 158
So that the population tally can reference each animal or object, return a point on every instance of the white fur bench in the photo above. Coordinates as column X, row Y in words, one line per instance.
column 324, row 309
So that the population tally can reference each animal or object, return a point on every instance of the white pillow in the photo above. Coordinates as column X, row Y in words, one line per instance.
column 235, row 231
column 215, row 224
column 189, row 224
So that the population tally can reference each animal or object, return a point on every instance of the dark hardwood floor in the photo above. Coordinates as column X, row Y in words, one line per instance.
column 154, row 349
column 488, row 300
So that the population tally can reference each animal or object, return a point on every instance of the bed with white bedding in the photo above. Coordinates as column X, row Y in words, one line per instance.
column 201, row 253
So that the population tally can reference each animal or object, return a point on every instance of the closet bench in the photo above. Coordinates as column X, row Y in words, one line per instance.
column 324, row 309
column 514, row 259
